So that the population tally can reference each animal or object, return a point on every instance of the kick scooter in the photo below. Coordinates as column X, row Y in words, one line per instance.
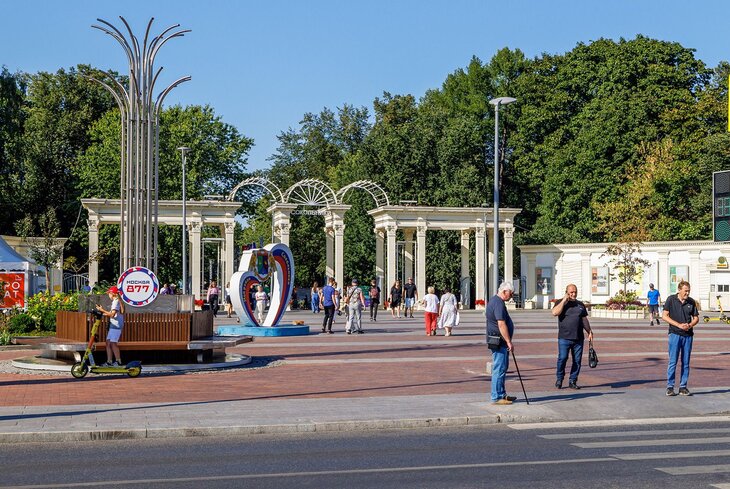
column 87, row 363
column 722, row 316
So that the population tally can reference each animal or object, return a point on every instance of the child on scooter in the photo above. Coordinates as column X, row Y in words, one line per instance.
column 116, row 323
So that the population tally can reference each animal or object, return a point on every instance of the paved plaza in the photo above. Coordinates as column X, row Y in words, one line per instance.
column 391, row 376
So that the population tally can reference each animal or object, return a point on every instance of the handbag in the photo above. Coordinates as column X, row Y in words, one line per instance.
column 592, row 356
column 493, row 341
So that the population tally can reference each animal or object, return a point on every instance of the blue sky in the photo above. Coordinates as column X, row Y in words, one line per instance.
column 263, row 64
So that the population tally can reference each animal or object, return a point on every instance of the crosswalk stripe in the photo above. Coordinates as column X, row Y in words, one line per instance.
column 665, row 455
column 695, row 469
column 651, row 443
column 612, row 423
column 619, row 434
column 721, row 486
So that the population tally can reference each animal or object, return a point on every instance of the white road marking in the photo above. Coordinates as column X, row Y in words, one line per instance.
column 311, row 474
column 619, row 422
column 619, row 434
column 652, row 443
column 665, row 455
column 695, row 469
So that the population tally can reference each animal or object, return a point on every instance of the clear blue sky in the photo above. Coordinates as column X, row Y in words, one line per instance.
column 263, row 64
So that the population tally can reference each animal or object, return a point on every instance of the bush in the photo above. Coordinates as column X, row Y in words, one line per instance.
column 20, row 324
column 42, row 308
column 624, row 300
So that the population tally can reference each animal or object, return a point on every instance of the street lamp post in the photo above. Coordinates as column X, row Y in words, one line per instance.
column 495, row 248
column 184, row 150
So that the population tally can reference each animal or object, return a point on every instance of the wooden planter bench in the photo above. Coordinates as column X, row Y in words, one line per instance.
column 142, row 332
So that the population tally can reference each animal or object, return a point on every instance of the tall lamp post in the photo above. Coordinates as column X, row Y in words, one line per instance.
column 184, row 151
column 495, row 248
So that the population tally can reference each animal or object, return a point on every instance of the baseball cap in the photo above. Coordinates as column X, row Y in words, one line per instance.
column 113, row 289
column 354, row 281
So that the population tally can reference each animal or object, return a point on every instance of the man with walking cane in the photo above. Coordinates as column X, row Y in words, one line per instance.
column 500, row 329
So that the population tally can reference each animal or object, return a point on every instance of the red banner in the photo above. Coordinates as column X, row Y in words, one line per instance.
column 13, row 289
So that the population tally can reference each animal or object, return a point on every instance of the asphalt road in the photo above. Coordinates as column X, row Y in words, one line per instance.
column 695, row 455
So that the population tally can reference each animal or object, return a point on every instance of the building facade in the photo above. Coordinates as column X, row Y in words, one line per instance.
column 548, row 269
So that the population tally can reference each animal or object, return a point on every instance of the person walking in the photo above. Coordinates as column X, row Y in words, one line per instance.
column 355, row 304
column 680, row 313
column 213, row 295
column 261, row 299
column 374, row 300
column 396, row 294
column 411, row 293
column 229, row 303
column 499, row 324
column 314, row 298
column 327, row 302
column 653, row 299
column 116, row 325
column 431, row 308
column 447, row 311
column 572, row 320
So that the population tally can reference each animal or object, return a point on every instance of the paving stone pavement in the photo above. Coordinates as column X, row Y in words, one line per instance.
column 391, row 376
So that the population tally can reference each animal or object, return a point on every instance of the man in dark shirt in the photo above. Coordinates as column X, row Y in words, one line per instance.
column 374, row 300
column 499, row 323
column 411, row 296
column 327, row 302
column 680, row 312
column 572, row 320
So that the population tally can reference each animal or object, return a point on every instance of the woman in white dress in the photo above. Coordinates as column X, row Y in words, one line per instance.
column 261, row 299
column 447, row 311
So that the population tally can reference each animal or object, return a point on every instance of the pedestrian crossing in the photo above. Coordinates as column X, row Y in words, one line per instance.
column 666, row 450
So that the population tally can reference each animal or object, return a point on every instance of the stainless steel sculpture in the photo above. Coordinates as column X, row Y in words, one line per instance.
column 140, row 145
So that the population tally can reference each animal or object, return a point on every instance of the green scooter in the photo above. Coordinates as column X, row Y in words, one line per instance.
column 87, row 363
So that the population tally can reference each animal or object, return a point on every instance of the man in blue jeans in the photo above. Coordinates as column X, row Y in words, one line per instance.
column 572, row 320
column 327, row 303
column 499, row 323
column 680, row 312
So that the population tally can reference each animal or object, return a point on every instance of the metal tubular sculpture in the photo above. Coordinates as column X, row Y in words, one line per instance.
column 140, row 145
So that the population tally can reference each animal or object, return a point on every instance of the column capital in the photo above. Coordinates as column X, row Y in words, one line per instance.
column 421, row 231
column 465, row 234
column 195, row 226
column 230, row 227
column 93, row 223
column 479, row 232
column 509, row 232
column 379, row 233
column 391, row 229
column 339, row 229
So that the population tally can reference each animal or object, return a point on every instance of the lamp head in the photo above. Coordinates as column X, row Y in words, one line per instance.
column 502, row 100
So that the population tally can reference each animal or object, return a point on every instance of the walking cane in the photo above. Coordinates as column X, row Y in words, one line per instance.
column 520, row 377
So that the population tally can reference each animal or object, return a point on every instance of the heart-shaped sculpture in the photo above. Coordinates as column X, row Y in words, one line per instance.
column 272, row 261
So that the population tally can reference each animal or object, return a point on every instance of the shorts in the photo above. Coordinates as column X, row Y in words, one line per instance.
column 410, row 302
column 654, row 308
column 114, row 335
column 228, row 299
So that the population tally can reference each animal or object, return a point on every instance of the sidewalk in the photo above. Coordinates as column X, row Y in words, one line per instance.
column 391, row 377
column 227, row 418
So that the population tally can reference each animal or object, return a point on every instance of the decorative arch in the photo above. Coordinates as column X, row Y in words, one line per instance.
column 375, row 191
column 310, row 192
column 259, row 182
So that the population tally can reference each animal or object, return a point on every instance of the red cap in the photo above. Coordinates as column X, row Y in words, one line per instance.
column 113, row 289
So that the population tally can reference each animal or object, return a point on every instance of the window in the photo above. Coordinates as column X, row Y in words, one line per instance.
column 599, row 283
column 544, row 281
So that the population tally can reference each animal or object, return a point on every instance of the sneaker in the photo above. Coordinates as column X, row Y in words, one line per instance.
column 657, row 322
column 558, row 384
column 651, row 323
column 349, row 332
column 502, row 402
column 106, row 364
column 330, row 332
column 573, row 385
column 115, row 364
column 670, row 392
column 510, row 398
column 361, row 332
column 683, row 391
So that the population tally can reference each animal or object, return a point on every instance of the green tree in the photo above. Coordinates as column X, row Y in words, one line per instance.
column 42, row 240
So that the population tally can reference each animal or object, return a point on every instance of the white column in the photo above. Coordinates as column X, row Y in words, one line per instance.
column 229, row 267
column 694, row 271
column 464, row 285
column 391, row 245
column 480, row 264
column 421, row 260
column 586, row 278
column 662, row 279
column 379, row 263
column 508, row 246
column 492, row 263
column 408, row 254
column 329, row 244
column 194, row 229
column 93, row 250
column 283, row 232
column 340, row 254
column 530, row 285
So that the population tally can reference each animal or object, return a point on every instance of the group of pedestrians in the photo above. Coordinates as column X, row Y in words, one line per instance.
column 680, row 313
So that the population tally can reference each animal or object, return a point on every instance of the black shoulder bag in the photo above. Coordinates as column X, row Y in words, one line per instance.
column 592, row 355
